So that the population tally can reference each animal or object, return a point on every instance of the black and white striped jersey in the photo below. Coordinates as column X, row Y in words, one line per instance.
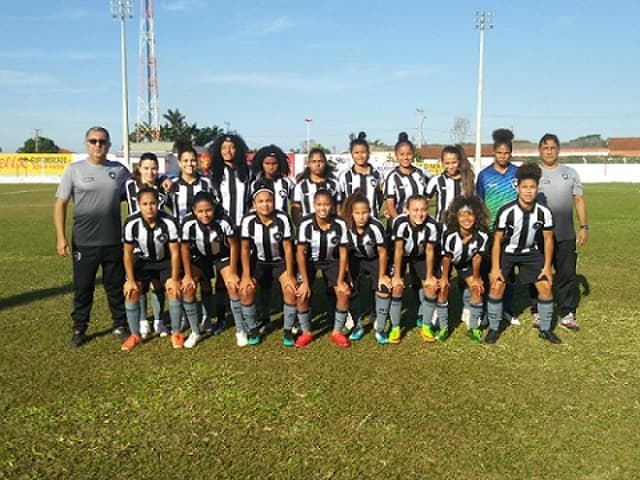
column 305, row 189
column 462, row 253
column 447, row 189
column 415, row 238
column 152, row 244
column 210, row 241
column 282, row 192
column 370, row 184
column 400, row 186
column 233, row 194
column 322, row 245
column 366, row 245
column 183, row 193
column 266, row 240
column 132, row 188
column 522, row 229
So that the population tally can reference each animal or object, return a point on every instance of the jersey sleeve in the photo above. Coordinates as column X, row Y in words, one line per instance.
column 480, row 185
column 174, row 230
column 65, row 187
column 244, row 227
column 501, row 221
column 344, row 239
column 297, row 192
column 378, row 233
column 287, row 233
column 127, row 231
column 432, row 185
column 389, row 187
column 577, row 188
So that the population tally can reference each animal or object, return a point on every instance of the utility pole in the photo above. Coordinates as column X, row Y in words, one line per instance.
column 483, row 21
column 36, row 138
column 421, row 117
column 308, row 121
column 227, row 126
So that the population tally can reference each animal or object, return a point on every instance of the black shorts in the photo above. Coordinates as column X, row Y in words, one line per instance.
column 146, row 271
column 206, row 265
column 359, row 267
column 529, row 266
column 266, row 272
column 465, row 270
column 329, row 271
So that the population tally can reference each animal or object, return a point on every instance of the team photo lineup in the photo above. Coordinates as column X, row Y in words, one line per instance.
column 228, row 239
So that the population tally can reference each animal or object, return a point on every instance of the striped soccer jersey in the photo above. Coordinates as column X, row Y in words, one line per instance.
column 400, row 186
column 322, row 245
column 132, row 188
column 305, row 189
column 183, row 193
column 233, row 194
column 366, row 245
column 496, row 189
column 462, row 253
column 152, row 244
column 415, row 238
column 210, row 241
column 370, row 184
column 447, row 189
column 282, row 192
column 522, row 229
column 266, row 240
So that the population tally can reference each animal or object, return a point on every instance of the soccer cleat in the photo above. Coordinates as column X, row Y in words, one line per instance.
column 381, row 338
column 549, row 336
column 287, row 340
column 304, row 339
column 254, row 337
column 536, row 320
column 264, row 326
column 442, row 335
column 356, row 334
column 339, row 339
column 241, row 339
column 79, row 338
column 419, row 322
column 159, row 328
column 395, row 335
column 145, row 329
column 426, row 332
column 192, row 340
column 568, row 322
column 219, row 328
column 491, row 337
column 475, row 335
column 507, row 317
column 121, row 332
column 206, row 326
column 177, row 340
column 130, row 343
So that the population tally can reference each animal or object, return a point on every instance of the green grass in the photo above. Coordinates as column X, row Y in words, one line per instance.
column 519, row 409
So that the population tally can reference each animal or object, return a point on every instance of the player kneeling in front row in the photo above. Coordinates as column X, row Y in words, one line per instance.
column 267, row 255
column 155, row 235
column 322, row 245
column 463, row 245
column 519, row 225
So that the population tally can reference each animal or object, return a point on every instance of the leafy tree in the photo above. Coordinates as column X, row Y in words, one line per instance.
column 45, row 145
column 206, row 135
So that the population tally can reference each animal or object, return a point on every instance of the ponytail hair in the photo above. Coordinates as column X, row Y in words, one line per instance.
column 361, row 139
column 357, row 196
column 403, row 139
column 502, row 136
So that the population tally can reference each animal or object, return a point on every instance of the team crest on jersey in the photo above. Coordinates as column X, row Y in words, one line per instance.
column 162, row 238
column 537, row 225
column 373, row 182
column 77, row 256
column 283, row 193
column 112, row 174
column 277, row 236
column 514, row 183
column 334, row 241
column 565, row 176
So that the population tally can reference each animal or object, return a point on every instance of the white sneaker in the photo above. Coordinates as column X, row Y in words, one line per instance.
column 507, row 317
column 159, row 328
column 192, row 340
column 145, row 329
column 241, row 339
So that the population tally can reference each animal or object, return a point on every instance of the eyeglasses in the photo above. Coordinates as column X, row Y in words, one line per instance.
column 98, row 141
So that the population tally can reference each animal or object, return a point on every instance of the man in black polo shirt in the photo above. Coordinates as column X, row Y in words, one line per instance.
column 95, row 185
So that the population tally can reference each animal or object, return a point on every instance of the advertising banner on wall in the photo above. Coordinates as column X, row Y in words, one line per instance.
column 33, row 164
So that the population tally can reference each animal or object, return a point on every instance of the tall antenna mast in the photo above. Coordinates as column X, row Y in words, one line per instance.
column 148, row 113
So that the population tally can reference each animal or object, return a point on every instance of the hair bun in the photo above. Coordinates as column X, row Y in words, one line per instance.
column 403, row 137
column 502, row 135
column 362, row 136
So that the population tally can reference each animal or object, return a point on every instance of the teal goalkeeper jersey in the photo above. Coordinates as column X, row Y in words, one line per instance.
column 496, row 189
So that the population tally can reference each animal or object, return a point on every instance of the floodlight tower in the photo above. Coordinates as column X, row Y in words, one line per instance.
column 121, row 10
column 148, row 108
column 483, row 21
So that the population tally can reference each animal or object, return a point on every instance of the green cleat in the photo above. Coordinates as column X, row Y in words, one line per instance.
column 475, row 335
column 442, row 335
column 394, row 335
column 426, row 332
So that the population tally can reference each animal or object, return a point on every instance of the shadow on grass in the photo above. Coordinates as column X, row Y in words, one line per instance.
column 30, row 297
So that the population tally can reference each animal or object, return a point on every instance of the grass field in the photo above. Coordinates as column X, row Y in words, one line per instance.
column 518, row 409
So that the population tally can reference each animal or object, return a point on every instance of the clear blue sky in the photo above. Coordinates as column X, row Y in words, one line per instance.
column 569, row 67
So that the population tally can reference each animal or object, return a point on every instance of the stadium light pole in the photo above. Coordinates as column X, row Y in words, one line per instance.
column 123, row 10
column 483, row 21
column 308, row 121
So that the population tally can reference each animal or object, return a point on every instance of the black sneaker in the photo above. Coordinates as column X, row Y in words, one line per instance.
column 121, row 332
column 264, row 326
column 218, row 328
column 78, row 339
column 491, row 337
column 549, row 336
